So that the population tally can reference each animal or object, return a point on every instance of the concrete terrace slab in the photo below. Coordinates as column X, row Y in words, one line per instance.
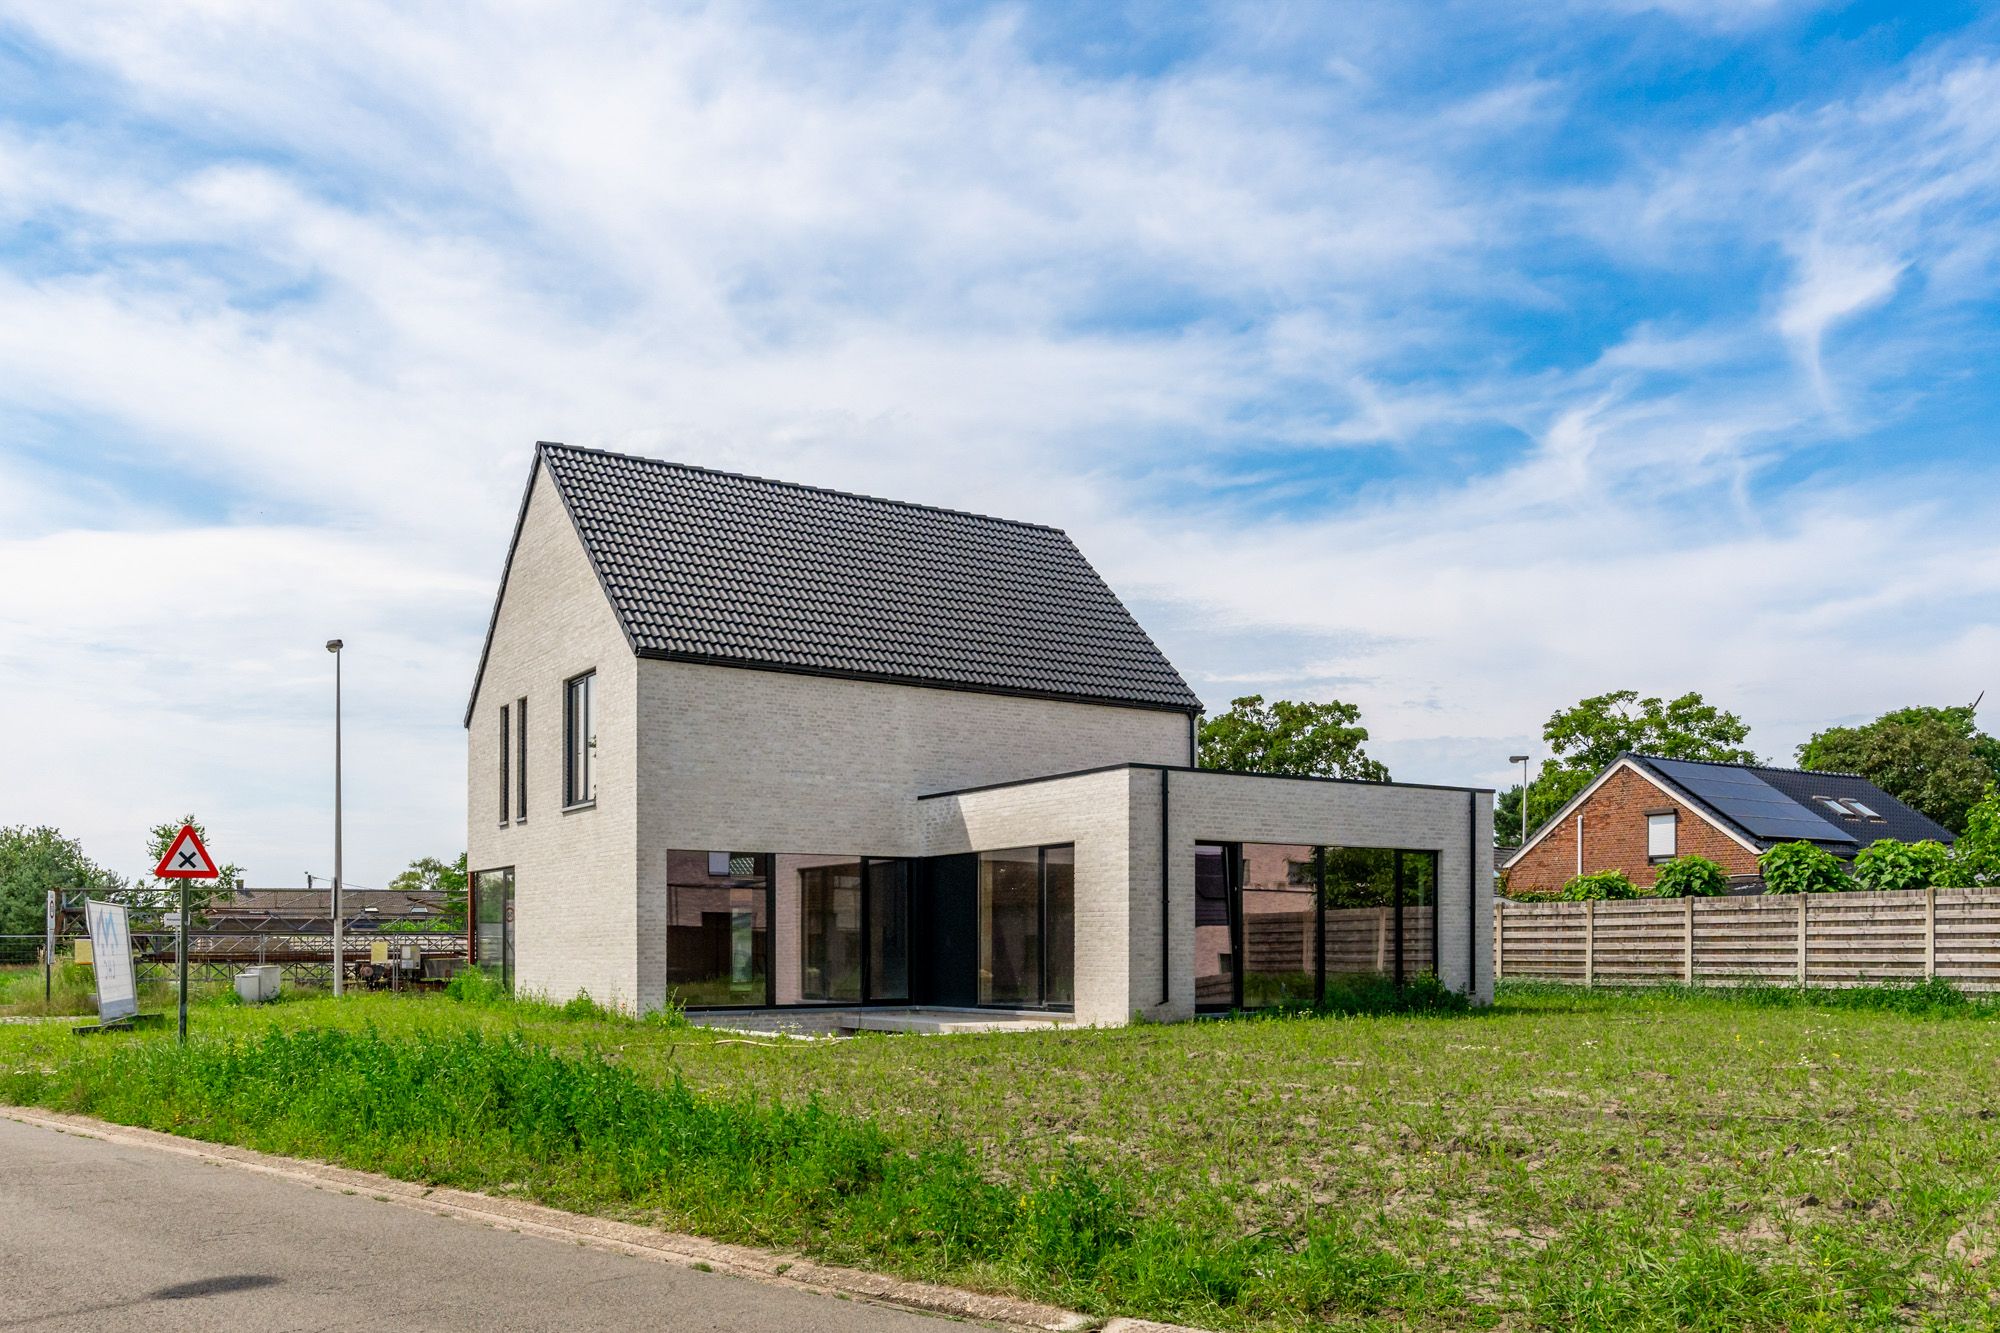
column 930, row 1021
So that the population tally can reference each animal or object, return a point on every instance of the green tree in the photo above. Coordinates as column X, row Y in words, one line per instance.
column 1975, row 857
column 163, row 895
column 35, row 860
column 1584, row 739
column 427, row 874
column 1301, row 739
column 1934, row 759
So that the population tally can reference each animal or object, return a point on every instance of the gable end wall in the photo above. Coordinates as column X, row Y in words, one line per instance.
column 1614, row 838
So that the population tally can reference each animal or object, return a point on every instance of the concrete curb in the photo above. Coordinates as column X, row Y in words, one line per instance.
column 604, row 1234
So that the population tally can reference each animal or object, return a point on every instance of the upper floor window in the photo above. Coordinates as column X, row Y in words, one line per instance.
column 520, row 760
column 580, row 739
column 1662, row 833
column 506, row 757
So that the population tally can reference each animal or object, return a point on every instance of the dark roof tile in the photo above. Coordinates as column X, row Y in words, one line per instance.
column 716, row 566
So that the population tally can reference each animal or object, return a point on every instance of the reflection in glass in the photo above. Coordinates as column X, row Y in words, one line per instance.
column 718, row 937
column 493, row 923
column 830, row 931
column 888, row 930
column 1059, row 917
column 1277, row 922
column 1214, row 953
column 1010, row 929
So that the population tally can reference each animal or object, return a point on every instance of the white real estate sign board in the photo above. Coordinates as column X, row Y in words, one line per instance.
column 111, row 957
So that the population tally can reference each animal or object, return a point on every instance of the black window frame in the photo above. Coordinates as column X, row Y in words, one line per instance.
column 506, row 766
column 1041, row 1001
column 571, row 800
column 521, row 760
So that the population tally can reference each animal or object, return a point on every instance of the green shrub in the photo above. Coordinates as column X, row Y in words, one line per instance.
column 1599, row 887
column 1889, row 865
column 476, row 985
column 1800, row 867
column 1690, row 877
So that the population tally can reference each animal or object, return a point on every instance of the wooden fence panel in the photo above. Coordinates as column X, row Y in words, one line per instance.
column 1834, row 939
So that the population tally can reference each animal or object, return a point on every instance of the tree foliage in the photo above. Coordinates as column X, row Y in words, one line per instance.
column 163, row 895
column 427, row 874
column 1584, row 739
column 1975, row 857
column 1298, row 738
column 35, row 860
column 1800, row 867
column 1690, row 877
column 1934, row 759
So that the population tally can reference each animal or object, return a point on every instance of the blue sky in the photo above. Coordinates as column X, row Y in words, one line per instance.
column 1456, row 360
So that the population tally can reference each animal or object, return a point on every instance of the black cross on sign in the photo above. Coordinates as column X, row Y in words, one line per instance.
column 187, row 861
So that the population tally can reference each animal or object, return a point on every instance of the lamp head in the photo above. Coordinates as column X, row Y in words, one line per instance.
column 333, row 645
column 1512, row 758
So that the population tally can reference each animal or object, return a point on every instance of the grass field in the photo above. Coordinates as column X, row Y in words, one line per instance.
column 1566, row 1160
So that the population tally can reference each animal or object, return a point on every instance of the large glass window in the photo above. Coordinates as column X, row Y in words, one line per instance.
column 1282, row 924
column 718, row 928
column 493, row 923
column 1027, row 926
column 888, row 930
column 580, row 740
column 1277, row 925
column 830, row 931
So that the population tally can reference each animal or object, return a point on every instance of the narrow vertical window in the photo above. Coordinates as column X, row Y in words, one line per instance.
column 506, row 755
column 580, row 740
column 521, row 760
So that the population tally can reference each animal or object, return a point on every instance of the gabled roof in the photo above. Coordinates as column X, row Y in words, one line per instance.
column 1759, row 806
column 717, row 567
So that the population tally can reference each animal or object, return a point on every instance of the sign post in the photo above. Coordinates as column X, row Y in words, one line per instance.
column 49, row 951
column 186, row 859
column 111, row 961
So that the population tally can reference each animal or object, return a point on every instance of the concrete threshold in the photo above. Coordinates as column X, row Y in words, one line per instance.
column 832, row 1021
column 605, row 1234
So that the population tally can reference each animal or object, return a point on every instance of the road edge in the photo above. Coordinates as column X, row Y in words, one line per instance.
column 601, row 1233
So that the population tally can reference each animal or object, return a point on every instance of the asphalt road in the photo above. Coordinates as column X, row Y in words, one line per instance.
column 98, row 1236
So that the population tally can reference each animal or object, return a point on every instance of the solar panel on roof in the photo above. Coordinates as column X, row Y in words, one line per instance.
column 1761, row 809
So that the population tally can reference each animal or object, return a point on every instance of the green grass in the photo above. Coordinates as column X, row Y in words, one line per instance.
column 1678, row 1159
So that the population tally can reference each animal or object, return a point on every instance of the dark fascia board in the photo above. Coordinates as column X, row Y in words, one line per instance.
column 1183, row 768
column 918, row 682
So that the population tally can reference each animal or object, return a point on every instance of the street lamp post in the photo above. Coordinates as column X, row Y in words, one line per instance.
column 339, row 936
column 1522, row 760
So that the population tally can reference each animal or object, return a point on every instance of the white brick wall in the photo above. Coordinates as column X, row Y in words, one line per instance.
column 576, row 919
column 1114, row 819
column 767, row 761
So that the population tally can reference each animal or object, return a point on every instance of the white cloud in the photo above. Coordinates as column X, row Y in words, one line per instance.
column 384, row 251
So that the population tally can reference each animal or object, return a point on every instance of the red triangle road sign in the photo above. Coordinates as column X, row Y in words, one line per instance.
column 186, row 858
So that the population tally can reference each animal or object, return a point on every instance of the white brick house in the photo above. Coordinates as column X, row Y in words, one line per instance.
column 744, row 743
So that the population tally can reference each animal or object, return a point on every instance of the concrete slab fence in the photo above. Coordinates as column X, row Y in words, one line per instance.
column 1810, row 939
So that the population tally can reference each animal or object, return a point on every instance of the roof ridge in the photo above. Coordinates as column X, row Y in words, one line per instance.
column 547, row 445
column 1758, row 768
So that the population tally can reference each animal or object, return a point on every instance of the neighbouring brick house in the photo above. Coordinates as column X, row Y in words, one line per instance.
column 741, row 743
column 1642, row 810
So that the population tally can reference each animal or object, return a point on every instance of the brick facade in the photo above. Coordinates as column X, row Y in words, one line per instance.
column 1614, row 837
